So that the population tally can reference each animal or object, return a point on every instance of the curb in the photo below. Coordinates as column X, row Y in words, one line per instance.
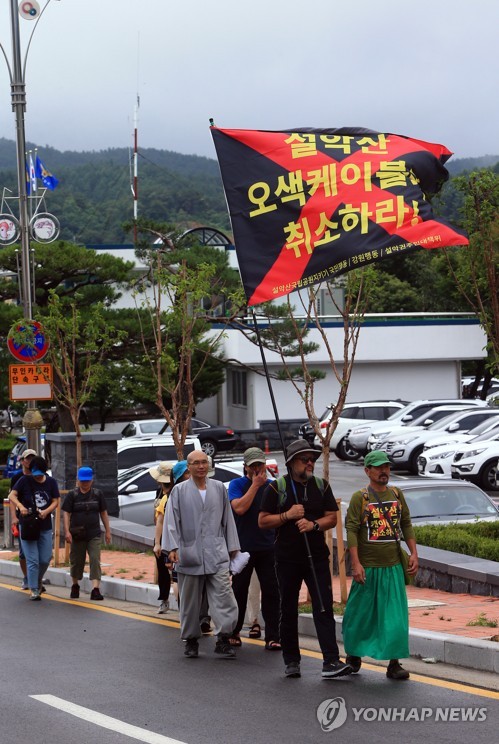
column 461, row 651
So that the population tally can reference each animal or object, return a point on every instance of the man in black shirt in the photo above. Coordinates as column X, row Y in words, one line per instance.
column 296, row 505
column 82, row 508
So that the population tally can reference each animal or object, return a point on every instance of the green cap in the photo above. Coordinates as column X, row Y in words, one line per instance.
column 376, row 458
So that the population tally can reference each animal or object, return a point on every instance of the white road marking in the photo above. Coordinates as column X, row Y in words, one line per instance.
column 99, row 719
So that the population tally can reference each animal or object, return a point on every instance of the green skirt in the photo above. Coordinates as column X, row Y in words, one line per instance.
column 376, row 619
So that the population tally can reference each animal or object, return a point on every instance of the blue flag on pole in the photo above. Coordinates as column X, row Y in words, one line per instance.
column 46, row 177
column 32, row 174
column 28, row 182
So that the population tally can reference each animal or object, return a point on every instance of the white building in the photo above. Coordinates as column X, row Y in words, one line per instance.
column 407, row 356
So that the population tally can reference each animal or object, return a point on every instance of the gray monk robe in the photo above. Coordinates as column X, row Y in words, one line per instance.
column 203, row 534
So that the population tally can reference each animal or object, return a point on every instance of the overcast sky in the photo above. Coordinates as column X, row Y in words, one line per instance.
column 428, row 69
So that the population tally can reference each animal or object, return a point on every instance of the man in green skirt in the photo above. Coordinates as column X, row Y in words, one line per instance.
column 376, row 620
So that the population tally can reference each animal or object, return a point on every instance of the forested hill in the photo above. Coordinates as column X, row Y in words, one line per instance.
column 94, row 196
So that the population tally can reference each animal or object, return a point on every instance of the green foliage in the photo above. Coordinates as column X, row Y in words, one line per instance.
column 479, row 539
column 7, row 441
column 68, row 269
column 481, row 620
column 4, row 488
column 93, row 198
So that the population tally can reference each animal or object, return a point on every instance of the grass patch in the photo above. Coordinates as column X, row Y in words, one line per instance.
column 338, row 608
column 483, row 621
column 122, row 549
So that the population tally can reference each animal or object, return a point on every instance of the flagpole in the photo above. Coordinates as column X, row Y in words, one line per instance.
column 281, row 437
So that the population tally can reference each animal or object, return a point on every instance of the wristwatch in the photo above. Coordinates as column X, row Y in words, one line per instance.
column 316, row 527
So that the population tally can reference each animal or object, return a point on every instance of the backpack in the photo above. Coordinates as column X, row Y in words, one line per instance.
column 282, row 492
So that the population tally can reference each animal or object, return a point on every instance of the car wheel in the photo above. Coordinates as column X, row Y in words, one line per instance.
column 345, row 451
column 413, row 462
column 487, row 476
column 209, row 447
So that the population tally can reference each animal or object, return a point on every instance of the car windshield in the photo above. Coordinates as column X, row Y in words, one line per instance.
column 438, row 425
column 487, row 436
column 151, row 427
column 130, row 473
column 448, row 501
column 487, row 429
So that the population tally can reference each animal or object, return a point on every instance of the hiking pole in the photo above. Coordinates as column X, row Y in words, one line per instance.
column 293, row 487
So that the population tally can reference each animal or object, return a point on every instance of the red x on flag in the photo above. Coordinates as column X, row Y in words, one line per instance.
column 307, row 205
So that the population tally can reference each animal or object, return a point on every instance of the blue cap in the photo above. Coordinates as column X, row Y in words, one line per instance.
column 178, row 470
column 85, row 474
column 37, row 471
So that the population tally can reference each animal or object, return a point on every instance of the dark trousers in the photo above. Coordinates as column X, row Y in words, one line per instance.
column 164, row 579
column 290, row 577
column 263, row 562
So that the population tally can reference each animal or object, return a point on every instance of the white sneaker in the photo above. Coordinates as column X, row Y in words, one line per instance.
column 164, row 607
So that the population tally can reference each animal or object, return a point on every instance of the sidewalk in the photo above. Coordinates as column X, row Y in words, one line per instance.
column 438, row 620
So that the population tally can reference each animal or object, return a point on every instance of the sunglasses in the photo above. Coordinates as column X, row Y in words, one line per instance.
column 304, row 459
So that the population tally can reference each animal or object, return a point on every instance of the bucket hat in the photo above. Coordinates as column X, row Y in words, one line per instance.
column 161, row 472
column 300, row 447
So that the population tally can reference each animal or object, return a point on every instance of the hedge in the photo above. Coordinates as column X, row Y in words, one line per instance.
column 478, row 539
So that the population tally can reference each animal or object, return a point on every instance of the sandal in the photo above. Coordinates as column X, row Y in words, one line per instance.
column 273, row 646
column 255, row 631
column 235, row 640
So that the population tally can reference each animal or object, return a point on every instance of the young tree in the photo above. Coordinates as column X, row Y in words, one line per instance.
column 185, row 287
column 286, row 334
column 79, row 343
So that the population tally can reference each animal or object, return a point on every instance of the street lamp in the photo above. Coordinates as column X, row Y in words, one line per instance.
column 32, row 420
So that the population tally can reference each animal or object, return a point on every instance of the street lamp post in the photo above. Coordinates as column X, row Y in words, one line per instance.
column 32, row 420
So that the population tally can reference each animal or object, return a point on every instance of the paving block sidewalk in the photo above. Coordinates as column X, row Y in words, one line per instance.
column 429, row 609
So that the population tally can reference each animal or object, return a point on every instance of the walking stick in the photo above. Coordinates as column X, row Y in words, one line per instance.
column 293, row 487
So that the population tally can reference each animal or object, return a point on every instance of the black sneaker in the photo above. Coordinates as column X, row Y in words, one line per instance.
column 95, row 594
column 223, row 648
column 396, row 671
column 292, row 669
column 335, row 669
column 75, row 591
column 355, row 662
column 205, row 628
column 191, row 648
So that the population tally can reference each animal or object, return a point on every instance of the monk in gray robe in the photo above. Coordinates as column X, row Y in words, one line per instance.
column 201, row 537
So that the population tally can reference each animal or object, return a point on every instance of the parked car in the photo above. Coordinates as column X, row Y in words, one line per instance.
column 363, row 436
column 137, row 450
column 477, row 462
column 405, row 448
column 373, row 410
column 213, row 438
column 446, row 501
column 438, row 454
column 438, row 461
column 137, row 488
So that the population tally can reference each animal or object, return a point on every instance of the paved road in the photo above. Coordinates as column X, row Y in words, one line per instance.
column 129, row 671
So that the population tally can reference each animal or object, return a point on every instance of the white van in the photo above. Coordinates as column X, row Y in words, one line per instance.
column 133, row 451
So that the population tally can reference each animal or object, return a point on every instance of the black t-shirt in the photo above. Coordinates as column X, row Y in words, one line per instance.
column 290, row 544
column 31, row 492
column 85, row 510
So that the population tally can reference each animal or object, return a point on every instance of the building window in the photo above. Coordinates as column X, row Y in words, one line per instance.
column 238, row 387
